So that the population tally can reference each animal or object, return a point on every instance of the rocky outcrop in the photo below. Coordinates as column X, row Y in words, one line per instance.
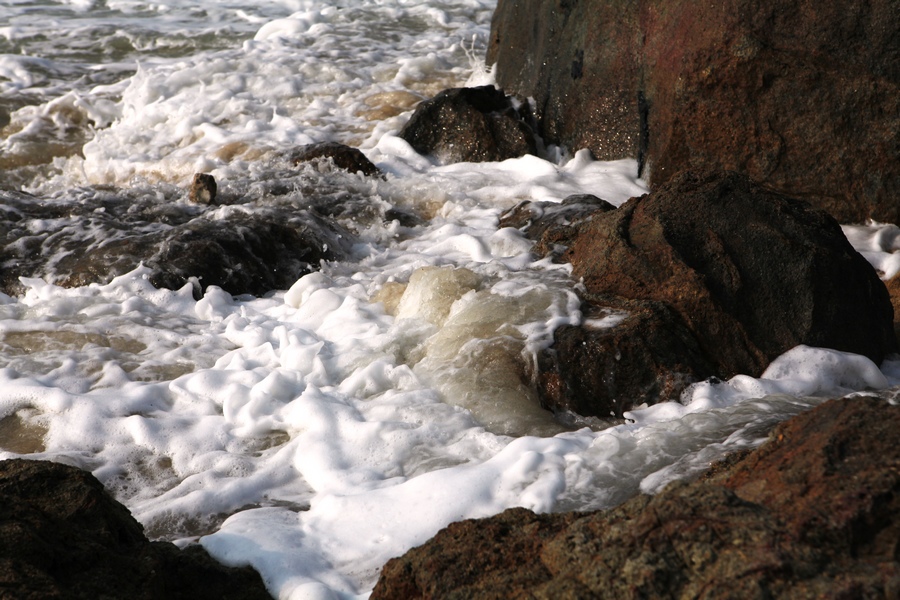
column 63, row 536
column 470, row 125
column 802, row 96
column 810, row 514
column 752, row 273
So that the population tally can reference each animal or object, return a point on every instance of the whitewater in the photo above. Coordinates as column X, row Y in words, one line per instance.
column 320, row 430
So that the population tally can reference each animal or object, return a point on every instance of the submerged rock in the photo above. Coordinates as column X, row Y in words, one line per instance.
column 750, row 272
column 63, row 536
column 810, row 514
column 470, row 125
column 803, row 97
column 340, row 155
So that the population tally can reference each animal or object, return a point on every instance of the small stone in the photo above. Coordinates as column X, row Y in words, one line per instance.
column 203, row 189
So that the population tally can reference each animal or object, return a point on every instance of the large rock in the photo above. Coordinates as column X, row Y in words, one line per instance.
column 811, row 514
column 803, row 96
column 63, row 536
column 470, row 125
column 750, row 272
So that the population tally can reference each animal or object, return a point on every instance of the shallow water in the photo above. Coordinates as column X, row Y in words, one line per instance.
column 319, row 430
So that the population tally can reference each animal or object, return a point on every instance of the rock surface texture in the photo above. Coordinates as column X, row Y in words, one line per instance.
column 718, row 276
column 810, row 514
column 803, row 96
column 63, row 536
column 470, row 125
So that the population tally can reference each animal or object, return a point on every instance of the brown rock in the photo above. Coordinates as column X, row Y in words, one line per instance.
column 63, row 536
column 469, row 125
column 811, row 514
column 752, row 273
column 626, row 353
column 340, row 155
column 203, row 189
column 802, row 96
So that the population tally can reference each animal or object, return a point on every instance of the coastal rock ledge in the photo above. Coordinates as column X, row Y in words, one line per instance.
column 810, row 514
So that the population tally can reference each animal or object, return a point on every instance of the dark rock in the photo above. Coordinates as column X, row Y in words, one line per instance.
column 802, row 96
column 203, row 189
column 750, row 272
column 554, row 225
column 627, row 353
column 341, row 156
column 63, row 536
column 470, row 125
column 811, row 514
column 103, row 235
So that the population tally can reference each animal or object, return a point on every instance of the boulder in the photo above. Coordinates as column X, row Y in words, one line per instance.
column 340, row 155
column 553, row 225
column 470, row 125
column 625, row 353
column 810, row 514
column 63, row 536
column 801, row 96
column 750, row 272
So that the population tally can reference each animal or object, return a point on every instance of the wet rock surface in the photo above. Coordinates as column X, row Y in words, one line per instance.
column 625, row 353
column 63, row 536
column 470, row 125
column 341, row 156
column 801, row 96
column 751, row 273
column 246, row 240
column 812, row 513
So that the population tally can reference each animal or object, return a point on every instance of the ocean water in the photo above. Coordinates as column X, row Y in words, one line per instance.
column 320, row 430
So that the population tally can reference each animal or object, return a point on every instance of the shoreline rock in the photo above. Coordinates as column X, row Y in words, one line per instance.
column 811, row 513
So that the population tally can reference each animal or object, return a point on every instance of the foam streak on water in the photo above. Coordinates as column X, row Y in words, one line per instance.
column 318, row 431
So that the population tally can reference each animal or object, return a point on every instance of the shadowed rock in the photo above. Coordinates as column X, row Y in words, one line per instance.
column 469, row 125
column 63, row 536
column 340, row 155
column 203, row 189
column 810, row 514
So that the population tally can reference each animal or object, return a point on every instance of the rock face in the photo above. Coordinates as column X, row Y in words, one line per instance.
column 810, row 514
column 799, row 95
column 469, row 125
column 751, row 273
column 63, row 536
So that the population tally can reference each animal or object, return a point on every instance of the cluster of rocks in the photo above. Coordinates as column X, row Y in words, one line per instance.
column 245, row 243
column 63, row 536
column 810, row 514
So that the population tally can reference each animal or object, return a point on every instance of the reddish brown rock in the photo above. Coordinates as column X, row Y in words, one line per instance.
column 625, row 354
column 751, row 273
column 470, row 125
column 802, row 96
column 63, row 536
column 811, row 514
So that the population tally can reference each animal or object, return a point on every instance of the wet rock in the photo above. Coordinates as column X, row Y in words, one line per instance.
column 470, row 125
column 750, row 272
column 63, row 536
column 810, row 514
column 254, row 249
column 626, row 353
column 554, row 225
column 801, row 96
column 203, row 189
column 340, row 155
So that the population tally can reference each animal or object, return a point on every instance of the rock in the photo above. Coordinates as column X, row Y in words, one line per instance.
column 802, row 97
column 63, row 536
column 470, row 125
column 810, row 514
column 107, row 234
column 627, row 353
column 341, row 156
column 750, row 272
column 203, row 189
column 554, row 225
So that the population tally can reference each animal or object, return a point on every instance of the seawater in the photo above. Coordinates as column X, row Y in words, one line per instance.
column 318, row 431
